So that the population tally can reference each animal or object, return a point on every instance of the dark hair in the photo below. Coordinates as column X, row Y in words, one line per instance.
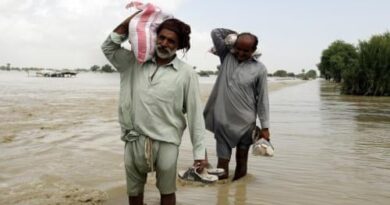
column 181, row 29
column 255, row 40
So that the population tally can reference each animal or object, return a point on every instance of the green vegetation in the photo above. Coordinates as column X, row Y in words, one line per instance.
column 9, row 68
column 336, row 59
column 280, row 73
column 291, row 75
column 95, row 68
column 311, row 74
column 206, row 73
column 107, row 68
column 361, row 70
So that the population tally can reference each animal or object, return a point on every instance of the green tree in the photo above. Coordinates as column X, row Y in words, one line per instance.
column 107, row 68
column 280, row 73
column 336, row 59
column 311, row 74
column 291, row 74
column 372, row 75
column 301, row 76
column 203, row 73
column 94, row 68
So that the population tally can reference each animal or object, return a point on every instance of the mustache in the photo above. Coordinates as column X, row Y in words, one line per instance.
column 164, row 49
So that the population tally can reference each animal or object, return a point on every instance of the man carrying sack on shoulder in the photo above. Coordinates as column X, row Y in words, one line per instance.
column 240, row 94
column 156, row 97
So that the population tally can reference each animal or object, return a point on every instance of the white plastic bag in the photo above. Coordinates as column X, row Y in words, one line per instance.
column 263, row 147
column 260, row 145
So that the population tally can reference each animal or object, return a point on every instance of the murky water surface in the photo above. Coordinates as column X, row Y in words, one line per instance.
column 59, row 142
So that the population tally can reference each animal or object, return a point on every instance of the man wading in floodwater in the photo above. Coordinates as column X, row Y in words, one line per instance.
column 239, row 95
column 154, row 98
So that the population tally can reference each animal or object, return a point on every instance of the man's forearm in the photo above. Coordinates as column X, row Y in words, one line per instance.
column 123, row 28
column 218, row 36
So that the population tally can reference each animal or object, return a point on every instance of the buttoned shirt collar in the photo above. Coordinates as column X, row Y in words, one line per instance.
column 173, row 63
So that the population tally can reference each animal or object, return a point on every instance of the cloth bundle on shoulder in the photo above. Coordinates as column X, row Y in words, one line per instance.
column 142, row 29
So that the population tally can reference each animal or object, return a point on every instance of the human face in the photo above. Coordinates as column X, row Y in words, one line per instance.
column 167, row 44
column 243, row 48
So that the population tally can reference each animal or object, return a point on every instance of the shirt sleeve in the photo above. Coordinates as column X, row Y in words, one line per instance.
column 118, row 56
column 218, row 36
column 262, row 100
column 196, row 125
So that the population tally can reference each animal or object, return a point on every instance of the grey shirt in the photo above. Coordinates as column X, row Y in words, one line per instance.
column 157, row 107
column 239, row 94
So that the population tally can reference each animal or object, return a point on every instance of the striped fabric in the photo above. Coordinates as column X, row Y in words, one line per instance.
column 142, row 29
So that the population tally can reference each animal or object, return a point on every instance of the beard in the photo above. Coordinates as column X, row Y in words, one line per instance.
column 164, row 53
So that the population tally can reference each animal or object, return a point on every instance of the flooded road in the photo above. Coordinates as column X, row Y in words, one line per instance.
column 331, row 149
column 59, row 143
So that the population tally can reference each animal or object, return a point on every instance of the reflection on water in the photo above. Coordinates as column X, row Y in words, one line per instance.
column 329, row 148
column 333, row 147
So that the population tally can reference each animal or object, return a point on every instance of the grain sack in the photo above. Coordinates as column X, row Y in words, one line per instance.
column 142, row 29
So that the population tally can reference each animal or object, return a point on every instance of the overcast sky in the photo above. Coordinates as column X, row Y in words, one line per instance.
column 292, row 34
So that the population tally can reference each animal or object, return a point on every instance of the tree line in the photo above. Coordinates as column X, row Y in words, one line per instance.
column 8, row 67
column 311, row 74
column 105, row 68
column 95, row 68
column 361, row 70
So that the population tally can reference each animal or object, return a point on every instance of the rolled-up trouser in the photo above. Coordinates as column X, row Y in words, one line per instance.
column 164, row 158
